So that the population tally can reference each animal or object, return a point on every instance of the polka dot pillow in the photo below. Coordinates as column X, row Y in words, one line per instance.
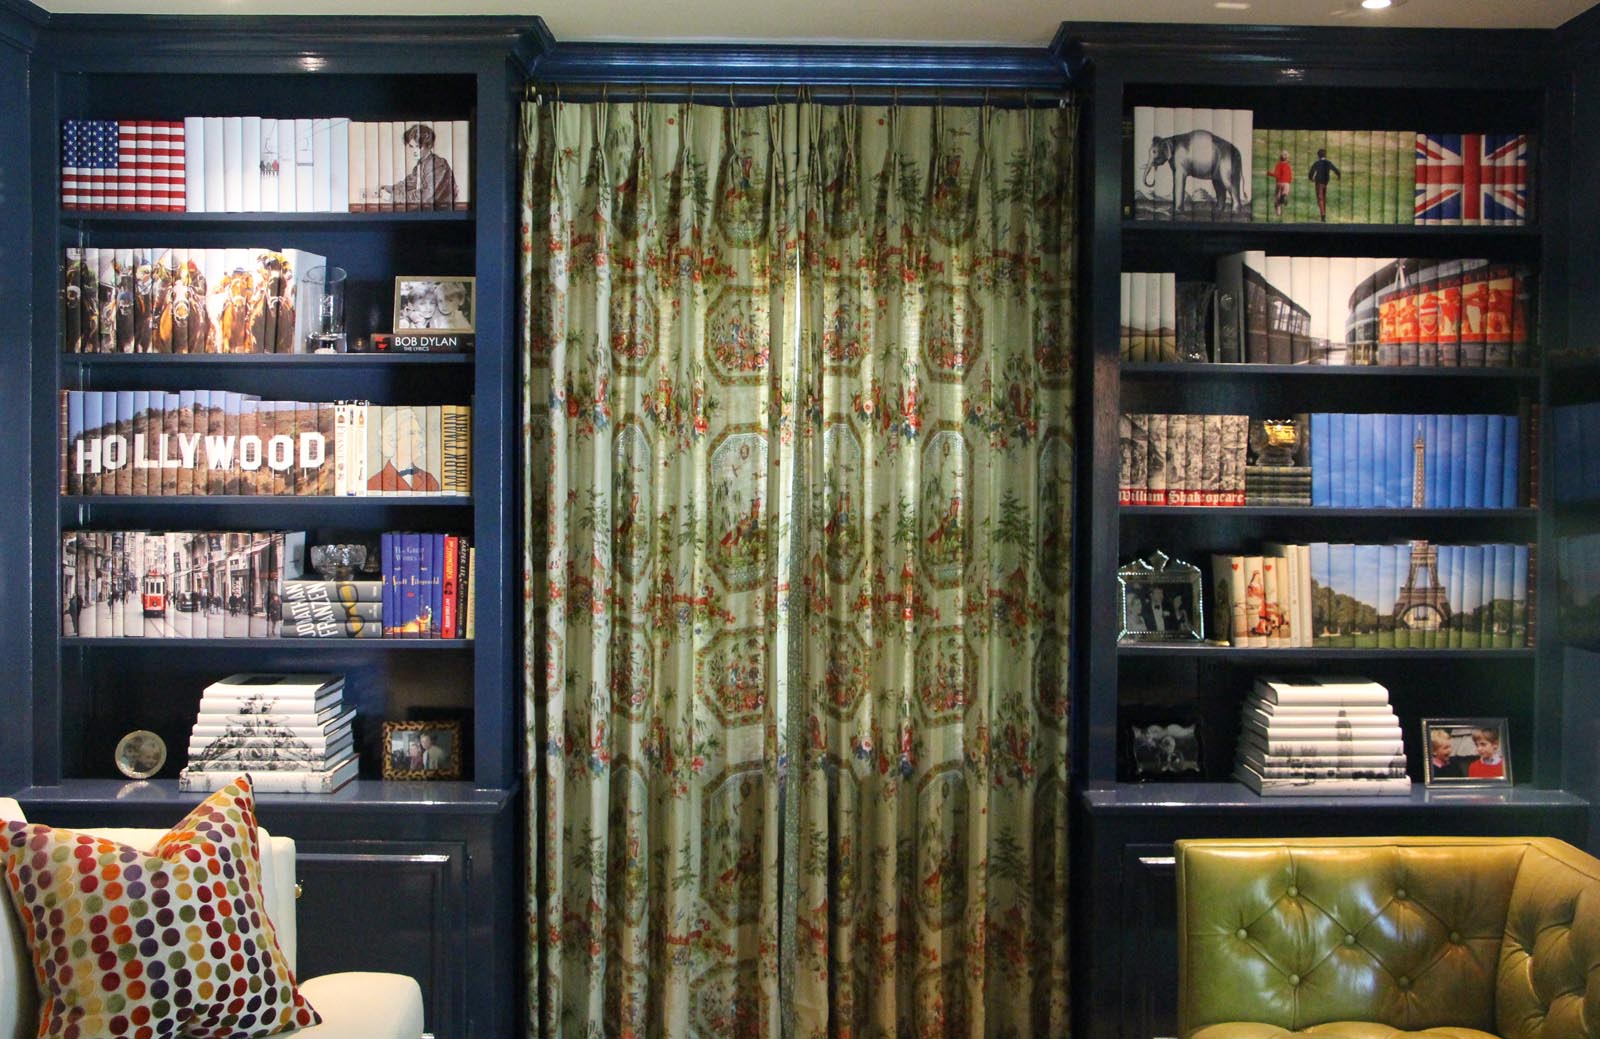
column 174, row 942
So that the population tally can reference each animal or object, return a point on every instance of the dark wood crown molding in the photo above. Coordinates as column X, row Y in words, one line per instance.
column 1285, row 53
column 20, row 23
column 758, row 65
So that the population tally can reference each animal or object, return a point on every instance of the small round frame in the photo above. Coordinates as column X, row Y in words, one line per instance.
column 140, row 754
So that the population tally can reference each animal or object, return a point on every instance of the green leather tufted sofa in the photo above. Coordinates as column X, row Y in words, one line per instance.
column 1385, row 938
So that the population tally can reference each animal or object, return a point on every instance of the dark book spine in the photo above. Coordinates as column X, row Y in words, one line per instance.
column 435, row 552
column 391, row 606
column 1530, row 412
column 1233, row 334
column 1522, row 319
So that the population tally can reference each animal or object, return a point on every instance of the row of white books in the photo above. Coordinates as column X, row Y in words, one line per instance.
column 256, row 164
column 1307, row 736
column 291, row 732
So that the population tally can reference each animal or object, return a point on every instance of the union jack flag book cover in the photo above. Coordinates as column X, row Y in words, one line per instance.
column 122, row 164
column 1473, row 178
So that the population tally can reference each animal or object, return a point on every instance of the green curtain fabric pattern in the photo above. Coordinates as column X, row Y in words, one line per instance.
column 798, row 386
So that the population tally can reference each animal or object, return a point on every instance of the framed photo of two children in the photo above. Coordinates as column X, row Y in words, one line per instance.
column 1466, row 752
column 435, row 304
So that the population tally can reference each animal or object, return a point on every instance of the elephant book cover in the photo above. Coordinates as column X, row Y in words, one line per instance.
column 1193, row 163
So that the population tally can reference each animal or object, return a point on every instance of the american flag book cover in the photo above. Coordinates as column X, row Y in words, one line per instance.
column 107, row 163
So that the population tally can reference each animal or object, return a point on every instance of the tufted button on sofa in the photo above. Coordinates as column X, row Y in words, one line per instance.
column 1388, row 938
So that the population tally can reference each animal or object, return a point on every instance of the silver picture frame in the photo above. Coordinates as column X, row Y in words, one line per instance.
column 1466, row 753
column 1160, row 600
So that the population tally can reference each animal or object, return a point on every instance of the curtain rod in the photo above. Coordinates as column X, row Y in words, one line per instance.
column 733, row 95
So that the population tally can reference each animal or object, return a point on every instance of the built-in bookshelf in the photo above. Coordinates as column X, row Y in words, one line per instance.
column 1205, row 683
column 1315, row 80
column 101, row 693
column 373, row 843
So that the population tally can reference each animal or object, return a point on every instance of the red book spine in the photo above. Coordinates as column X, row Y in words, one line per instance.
column 450, row 609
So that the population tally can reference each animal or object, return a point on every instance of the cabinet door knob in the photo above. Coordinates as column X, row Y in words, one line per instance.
column 299, row 889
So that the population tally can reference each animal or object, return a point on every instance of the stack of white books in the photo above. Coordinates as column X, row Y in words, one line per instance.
column 1312, row 737
column 291, row 733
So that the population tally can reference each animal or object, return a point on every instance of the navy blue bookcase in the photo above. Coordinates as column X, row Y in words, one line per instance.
column 427, row 878
column 420, row 878
column 1123, row 887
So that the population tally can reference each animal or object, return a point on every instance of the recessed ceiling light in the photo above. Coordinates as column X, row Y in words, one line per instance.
column 1376, row 5
column 1231, row 5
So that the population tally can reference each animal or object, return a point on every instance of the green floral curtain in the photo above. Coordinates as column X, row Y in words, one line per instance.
column 798, row 493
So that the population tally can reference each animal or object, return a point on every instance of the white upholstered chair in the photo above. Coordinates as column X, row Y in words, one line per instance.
column 353, row 1005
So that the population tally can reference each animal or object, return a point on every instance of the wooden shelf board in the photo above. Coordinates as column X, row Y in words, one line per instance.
column 1198, row 511
column 1234, row 797
column 1186, row 649
column 350, row 360
column 1149, row 370
column 365, row 795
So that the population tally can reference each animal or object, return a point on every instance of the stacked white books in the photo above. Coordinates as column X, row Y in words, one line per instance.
column 1310, row 737
column 292, row 733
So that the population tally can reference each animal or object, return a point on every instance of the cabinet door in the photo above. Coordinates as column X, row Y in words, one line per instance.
column 1149, row 950
column 396, row 906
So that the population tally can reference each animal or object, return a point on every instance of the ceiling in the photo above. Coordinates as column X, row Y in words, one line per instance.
column 1026, row 23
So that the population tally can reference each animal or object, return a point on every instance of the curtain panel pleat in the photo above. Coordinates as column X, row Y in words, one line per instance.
column 798, row 441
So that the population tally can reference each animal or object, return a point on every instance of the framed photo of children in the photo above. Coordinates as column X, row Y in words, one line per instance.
column 423, row 304
column 422, row 750
column 1466, row 752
